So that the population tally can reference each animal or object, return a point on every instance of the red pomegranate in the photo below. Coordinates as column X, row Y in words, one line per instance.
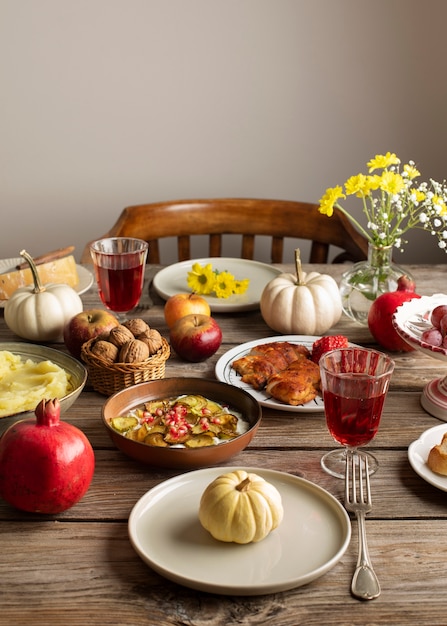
column 381, row 313
column 46, row 465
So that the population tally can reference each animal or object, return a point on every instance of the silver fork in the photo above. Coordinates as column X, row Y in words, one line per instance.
column 365, row 584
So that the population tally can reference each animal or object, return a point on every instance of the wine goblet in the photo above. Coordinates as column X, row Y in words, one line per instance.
column 354, row 382
column 119, row 264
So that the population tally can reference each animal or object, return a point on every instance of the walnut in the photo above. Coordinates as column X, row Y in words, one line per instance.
column 152, row 339
column 120, row 335
column 136, row 326
column 133, row 351
column 105, row 350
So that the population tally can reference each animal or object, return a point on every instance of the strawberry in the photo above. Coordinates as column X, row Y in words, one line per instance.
column 325, row 344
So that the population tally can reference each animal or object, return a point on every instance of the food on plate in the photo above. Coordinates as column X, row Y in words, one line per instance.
column 40, row 312
column 46, row 465
column 298, row 384
column 24, row 383
column 326, row 344
column 240, row 507
column 59, row 271
column 190, row 421
column 301, row 304
column 256, row 367
column 287, row 372
column 195, row 337
column 437, row 457
column 437, row 334
column 85, row 326
column 182, row 304
column 380, row 316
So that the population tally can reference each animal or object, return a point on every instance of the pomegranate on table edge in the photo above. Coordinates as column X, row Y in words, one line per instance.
column 46, row 465
column 381, row 313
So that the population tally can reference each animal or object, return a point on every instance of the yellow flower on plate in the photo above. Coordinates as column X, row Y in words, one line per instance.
column 203, row 280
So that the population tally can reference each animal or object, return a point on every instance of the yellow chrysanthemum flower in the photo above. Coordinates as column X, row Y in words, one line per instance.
column 358, row 185
column 241, row 286
column 224, row 285
column 201, row 279
column 392, row 183
column 382, row 161
column 205, row 281
column 411, row 171
column 329, row 199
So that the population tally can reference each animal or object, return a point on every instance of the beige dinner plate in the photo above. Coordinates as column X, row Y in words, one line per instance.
column 165, row 531
column 173, row 279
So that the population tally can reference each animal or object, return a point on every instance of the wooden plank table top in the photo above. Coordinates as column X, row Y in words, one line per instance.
column 79, row 568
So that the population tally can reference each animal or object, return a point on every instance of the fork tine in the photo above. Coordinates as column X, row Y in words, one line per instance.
column 368, row 485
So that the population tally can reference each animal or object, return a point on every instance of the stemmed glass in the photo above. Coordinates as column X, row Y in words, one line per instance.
column 354, row 383
column 119, row 264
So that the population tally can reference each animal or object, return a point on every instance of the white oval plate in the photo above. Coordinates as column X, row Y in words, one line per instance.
column 85, row 277
column 418, row 454
column 173, row 279
column 165, row 531
column 226, row 374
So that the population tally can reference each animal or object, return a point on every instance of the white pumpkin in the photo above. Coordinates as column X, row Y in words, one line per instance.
column 301, row 304
column 39, row 313
column 240, row 507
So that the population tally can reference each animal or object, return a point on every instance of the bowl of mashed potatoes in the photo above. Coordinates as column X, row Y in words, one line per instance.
column 30, row 373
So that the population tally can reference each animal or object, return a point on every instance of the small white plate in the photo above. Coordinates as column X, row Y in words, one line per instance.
column 173, row 279
column 85, row 277
column 226, row 374
column 165, row 531
column 418, row 454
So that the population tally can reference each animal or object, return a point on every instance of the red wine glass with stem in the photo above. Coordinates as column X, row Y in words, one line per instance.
column 354, row 382
column 119, row 264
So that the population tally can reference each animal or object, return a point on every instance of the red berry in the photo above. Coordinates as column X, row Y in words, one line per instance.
column 325, row 344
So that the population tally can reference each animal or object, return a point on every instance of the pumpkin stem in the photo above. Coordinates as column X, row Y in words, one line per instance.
column 38, row 287
column 299, row 269
column 244, row 485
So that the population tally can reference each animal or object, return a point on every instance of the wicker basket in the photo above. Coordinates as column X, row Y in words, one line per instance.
column 108, row 378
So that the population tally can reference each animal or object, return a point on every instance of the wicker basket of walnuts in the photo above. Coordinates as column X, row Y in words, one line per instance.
column 129, row 354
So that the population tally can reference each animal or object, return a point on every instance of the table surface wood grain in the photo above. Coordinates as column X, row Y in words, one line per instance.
column 80, row 568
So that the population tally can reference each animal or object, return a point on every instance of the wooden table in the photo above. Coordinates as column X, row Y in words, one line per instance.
column 79, row 567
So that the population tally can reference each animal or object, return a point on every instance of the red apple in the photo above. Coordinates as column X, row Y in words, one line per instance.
column 195, row 337
column 182, row 304
column 86, row 325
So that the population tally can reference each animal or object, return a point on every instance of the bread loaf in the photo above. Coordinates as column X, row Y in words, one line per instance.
column 437, row 457
column 58, row 271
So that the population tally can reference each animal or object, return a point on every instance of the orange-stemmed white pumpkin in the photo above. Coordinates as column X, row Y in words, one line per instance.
column 301, row 304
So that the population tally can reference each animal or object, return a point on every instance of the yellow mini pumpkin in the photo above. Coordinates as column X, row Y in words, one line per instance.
column 240, row 507
column 301, row 304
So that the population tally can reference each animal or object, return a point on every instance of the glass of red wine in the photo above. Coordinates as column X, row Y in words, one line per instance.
column 119, row 264
column 354, row 383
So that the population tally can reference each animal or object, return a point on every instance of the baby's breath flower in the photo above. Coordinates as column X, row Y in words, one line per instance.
column 399, row 204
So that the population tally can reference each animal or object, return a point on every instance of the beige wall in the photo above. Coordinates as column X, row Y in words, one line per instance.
column 107, row 103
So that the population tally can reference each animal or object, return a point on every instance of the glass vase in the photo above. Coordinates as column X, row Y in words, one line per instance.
column 366, row 280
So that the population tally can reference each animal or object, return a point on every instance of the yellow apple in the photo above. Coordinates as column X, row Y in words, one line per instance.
column 182, row 304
